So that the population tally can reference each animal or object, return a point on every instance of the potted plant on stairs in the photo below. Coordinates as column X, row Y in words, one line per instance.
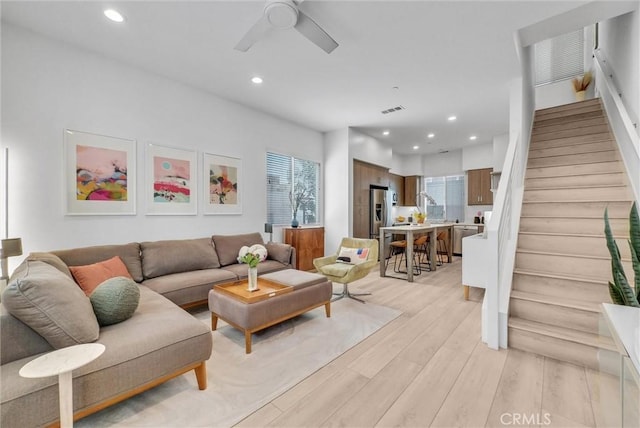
column 621, row 292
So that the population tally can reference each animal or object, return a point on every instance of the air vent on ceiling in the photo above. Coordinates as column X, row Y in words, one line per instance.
column 392, row 109
column 443, row 151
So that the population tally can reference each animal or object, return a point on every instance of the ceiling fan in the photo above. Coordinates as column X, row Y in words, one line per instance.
column 284, row 14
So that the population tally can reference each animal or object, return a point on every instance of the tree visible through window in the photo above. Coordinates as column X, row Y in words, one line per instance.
column 292, row 189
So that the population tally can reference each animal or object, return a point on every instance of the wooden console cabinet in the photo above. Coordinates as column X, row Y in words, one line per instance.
column 308, row 242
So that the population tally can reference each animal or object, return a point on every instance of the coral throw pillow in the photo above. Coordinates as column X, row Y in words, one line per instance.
column 90, row 276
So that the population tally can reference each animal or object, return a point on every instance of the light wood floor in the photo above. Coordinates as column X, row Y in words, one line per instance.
column 429, row 367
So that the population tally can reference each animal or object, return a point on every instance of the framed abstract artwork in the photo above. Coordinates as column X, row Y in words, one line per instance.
column 100, row 174
column 171, row 181
column 222, row 184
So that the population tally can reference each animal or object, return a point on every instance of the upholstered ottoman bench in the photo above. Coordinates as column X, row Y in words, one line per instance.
column 282, row 295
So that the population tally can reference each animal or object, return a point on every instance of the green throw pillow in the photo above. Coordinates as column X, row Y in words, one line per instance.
column 115, row 300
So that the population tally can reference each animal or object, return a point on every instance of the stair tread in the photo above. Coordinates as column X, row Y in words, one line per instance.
column 552, row 275
column 570, row 235
column 563, row 333
column 599, row 186
column 582, row 305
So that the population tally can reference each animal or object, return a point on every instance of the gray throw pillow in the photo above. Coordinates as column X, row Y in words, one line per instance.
column 52, row 304
column 115, row 300
column 279, row 252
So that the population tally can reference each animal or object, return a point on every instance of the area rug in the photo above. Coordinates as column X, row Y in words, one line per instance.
column 239, row 384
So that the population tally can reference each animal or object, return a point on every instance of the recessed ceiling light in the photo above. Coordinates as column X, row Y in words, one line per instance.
column 257, row 80
column 431, row 135
column 416, row 147
column 473, row 137
column 113, row 15
column 451, row 118
column 385, row 132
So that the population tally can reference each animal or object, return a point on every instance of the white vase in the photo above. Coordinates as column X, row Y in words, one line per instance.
column 253, row 279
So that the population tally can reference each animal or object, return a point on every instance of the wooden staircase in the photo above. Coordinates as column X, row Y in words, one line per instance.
column 562, row 263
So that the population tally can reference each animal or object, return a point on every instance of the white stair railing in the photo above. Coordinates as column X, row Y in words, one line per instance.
column 624, row 130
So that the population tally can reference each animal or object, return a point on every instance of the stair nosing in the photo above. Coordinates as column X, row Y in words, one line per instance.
column 578, row 256
column 556, row 276
column 568, row 164
column 599, row 186
column 580, row 201
column 563, row 333
column 551, row 156
column 570, row 235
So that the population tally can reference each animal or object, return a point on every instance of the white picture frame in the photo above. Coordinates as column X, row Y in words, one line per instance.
column 171, row 185
column 100, row 174
column 222, row 184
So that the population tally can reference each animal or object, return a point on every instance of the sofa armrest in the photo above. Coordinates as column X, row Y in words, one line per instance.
column 323, row 261
column 18, row 340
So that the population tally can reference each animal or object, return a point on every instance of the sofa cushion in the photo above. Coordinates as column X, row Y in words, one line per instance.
column 51, row 259
column 189, row 287
column 242, row 270
column 175, row 256
column 279, row 252
column 52, row 304
column 129, row 253
column 115, row 300
column 228, row 246
column 90, row 276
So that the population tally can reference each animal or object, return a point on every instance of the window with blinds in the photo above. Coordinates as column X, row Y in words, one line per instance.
column 559, row 58
column 292, row 182
column 448, row 194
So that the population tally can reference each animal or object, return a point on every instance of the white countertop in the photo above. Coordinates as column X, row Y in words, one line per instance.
column 418, row 226
column 625, row 328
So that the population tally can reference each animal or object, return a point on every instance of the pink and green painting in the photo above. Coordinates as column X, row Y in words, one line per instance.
column 101, row 174
column 223, row 184
column 171, row 180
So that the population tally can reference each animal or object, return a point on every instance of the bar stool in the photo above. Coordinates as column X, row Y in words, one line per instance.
column 399, row 248
column 421, row 248
column 442, row 247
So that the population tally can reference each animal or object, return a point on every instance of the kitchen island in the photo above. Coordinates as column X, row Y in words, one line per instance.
column 409, row 231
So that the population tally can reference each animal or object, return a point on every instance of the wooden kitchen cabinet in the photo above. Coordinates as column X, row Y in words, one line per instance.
column 308, row 242
column 479, row 187
column 411, row 189
column 396, row 184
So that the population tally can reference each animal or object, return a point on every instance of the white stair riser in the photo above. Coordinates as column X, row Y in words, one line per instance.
column 565, row 171
column 590, row 268
column 585, row 130
column 570, row 122
column 578, row 209
column 620, row 193
column 571, row 150
column 575, row 245
column 563, row 350
column 559, row 287
column 616, row 178
column 577, row 159
column 584, row 226
column 575, row 319
column 571, row 141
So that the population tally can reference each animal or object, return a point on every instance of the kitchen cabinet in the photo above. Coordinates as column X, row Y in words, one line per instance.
column 308, row 242
column 365, row 175
column 479, row 187
column 411, row 189
column 396, row 184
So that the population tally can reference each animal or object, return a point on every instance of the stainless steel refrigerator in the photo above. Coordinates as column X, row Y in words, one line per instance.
column 380, row 203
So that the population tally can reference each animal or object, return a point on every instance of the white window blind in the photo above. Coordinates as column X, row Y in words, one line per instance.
column 448, row 194
column 288, row 179
column 559, row 58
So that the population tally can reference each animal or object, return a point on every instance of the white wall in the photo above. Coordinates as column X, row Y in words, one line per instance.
column 619, row 40
column 368, row 149
column 477, row 157
column 500, row 145
column 338, row 184
column 439, row 164
column 48, row 86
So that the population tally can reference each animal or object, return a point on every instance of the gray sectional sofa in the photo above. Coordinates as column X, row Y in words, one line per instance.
column 160, row 341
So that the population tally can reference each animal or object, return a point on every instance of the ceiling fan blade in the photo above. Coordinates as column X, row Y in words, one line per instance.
column 254, row 34
column 312, row 31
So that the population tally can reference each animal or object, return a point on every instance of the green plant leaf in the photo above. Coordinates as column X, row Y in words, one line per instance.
column 628, row 296
column 634, row 244
column 616, row 295
column 616, row 263
column 635, row 259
